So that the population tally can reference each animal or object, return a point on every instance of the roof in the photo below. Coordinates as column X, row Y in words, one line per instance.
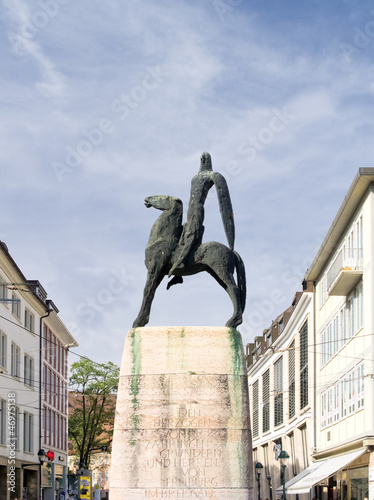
column 61, row 330
column 41, row 295
column 360, row 184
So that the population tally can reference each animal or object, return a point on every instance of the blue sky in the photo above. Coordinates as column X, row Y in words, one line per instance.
column 105, row 103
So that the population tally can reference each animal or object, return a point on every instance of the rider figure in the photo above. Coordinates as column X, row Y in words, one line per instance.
column 193, row 230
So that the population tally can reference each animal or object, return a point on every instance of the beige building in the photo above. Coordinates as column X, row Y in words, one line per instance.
column 280, row 374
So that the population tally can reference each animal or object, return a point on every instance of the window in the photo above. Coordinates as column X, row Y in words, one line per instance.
column 2, row 421
column 360, row 386
column 266, row 460
column 49, row 426
column 255, row 409
column 323, row 410
column 304, row 396
column 3, row 350
column 336, row 403
column 266, row 401
column 16, row 428
column 350, row 245
column 323, row 348
column 49, row 377
column 28, row 370
column 322, row 292
column 16, row 306
column 15, row 360
column 359, row 238
column 47, row 416
column 44, row 341
column 52, row 428
column 336, row 335
column 329, row 406
column 351, row 393
column 359, row 307
column 29, row 320
column 351, row 305
column 343, row 397
column 343, row 325
column 293, row 455
column 3, row 289
column 291, row 381
column 53, row 389
column 278, row 387
column 304, row 438
column 58, row 431
column 268, row 338
column 329, row 342
column 28, row 432
column 64, row 434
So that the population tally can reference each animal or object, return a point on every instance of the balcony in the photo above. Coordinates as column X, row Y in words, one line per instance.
column 345, row 272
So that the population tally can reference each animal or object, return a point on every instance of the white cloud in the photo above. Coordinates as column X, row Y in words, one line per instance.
column 24, row 44
column 221, row 84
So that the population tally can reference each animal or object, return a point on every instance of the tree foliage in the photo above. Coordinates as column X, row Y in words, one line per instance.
column 93, row 401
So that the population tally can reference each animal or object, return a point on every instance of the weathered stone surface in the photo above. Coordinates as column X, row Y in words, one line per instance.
column 182, row 426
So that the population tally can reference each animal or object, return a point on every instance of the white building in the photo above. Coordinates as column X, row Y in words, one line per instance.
column 280, row 375
column 340, row 413
column 343, row 275
column 25, row 313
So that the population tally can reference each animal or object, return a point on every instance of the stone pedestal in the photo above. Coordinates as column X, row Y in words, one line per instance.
column 182, row 427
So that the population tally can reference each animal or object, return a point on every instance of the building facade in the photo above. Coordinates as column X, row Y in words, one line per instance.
column 280, row 371
column 343, row 277
column 25, row 312
column 54, row 422
column 339, row 416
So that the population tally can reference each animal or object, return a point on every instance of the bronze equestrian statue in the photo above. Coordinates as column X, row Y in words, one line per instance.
column 178, row 250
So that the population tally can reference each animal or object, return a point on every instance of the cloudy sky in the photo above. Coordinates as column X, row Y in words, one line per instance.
column 105, row 103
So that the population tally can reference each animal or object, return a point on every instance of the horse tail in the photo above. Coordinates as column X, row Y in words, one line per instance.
column 240, row 273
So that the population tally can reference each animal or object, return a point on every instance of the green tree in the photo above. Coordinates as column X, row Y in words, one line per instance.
column 92, row 406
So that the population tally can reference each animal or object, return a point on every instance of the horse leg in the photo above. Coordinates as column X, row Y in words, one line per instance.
column 226, row 280
column 154, row 278
column 234, row 293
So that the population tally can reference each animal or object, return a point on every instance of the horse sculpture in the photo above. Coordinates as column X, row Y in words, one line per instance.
column 160, row 255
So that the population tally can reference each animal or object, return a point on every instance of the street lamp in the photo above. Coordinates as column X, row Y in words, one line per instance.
column 258, row 468
column 42, row 456
column 283, row 459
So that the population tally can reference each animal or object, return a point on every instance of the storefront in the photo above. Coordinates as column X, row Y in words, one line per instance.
column 54, row 482
column 343, row 477
column 348, row 484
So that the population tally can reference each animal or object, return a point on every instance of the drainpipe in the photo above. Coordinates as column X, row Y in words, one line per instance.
column 40, row 388
column 314, row 368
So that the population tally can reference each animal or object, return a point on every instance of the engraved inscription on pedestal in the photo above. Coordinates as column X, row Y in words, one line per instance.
column 184, row 433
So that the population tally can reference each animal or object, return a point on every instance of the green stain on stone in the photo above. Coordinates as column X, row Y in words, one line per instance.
column 134, row 389
column 236, row 407
column 236, row 351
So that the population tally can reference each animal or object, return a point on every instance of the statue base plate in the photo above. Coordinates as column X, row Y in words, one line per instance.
column 182, row 427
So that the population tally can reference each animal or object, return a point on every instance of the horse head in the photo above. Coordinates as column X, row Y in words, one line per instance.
column 163, row 202
column 168, row 227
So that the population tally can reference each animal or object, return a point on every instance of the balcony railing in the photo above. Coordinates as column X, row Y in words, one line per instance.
column 345, row 272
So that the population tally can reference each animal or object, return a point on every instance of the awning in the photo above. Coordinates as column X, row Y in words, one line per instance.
column 317, row 471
